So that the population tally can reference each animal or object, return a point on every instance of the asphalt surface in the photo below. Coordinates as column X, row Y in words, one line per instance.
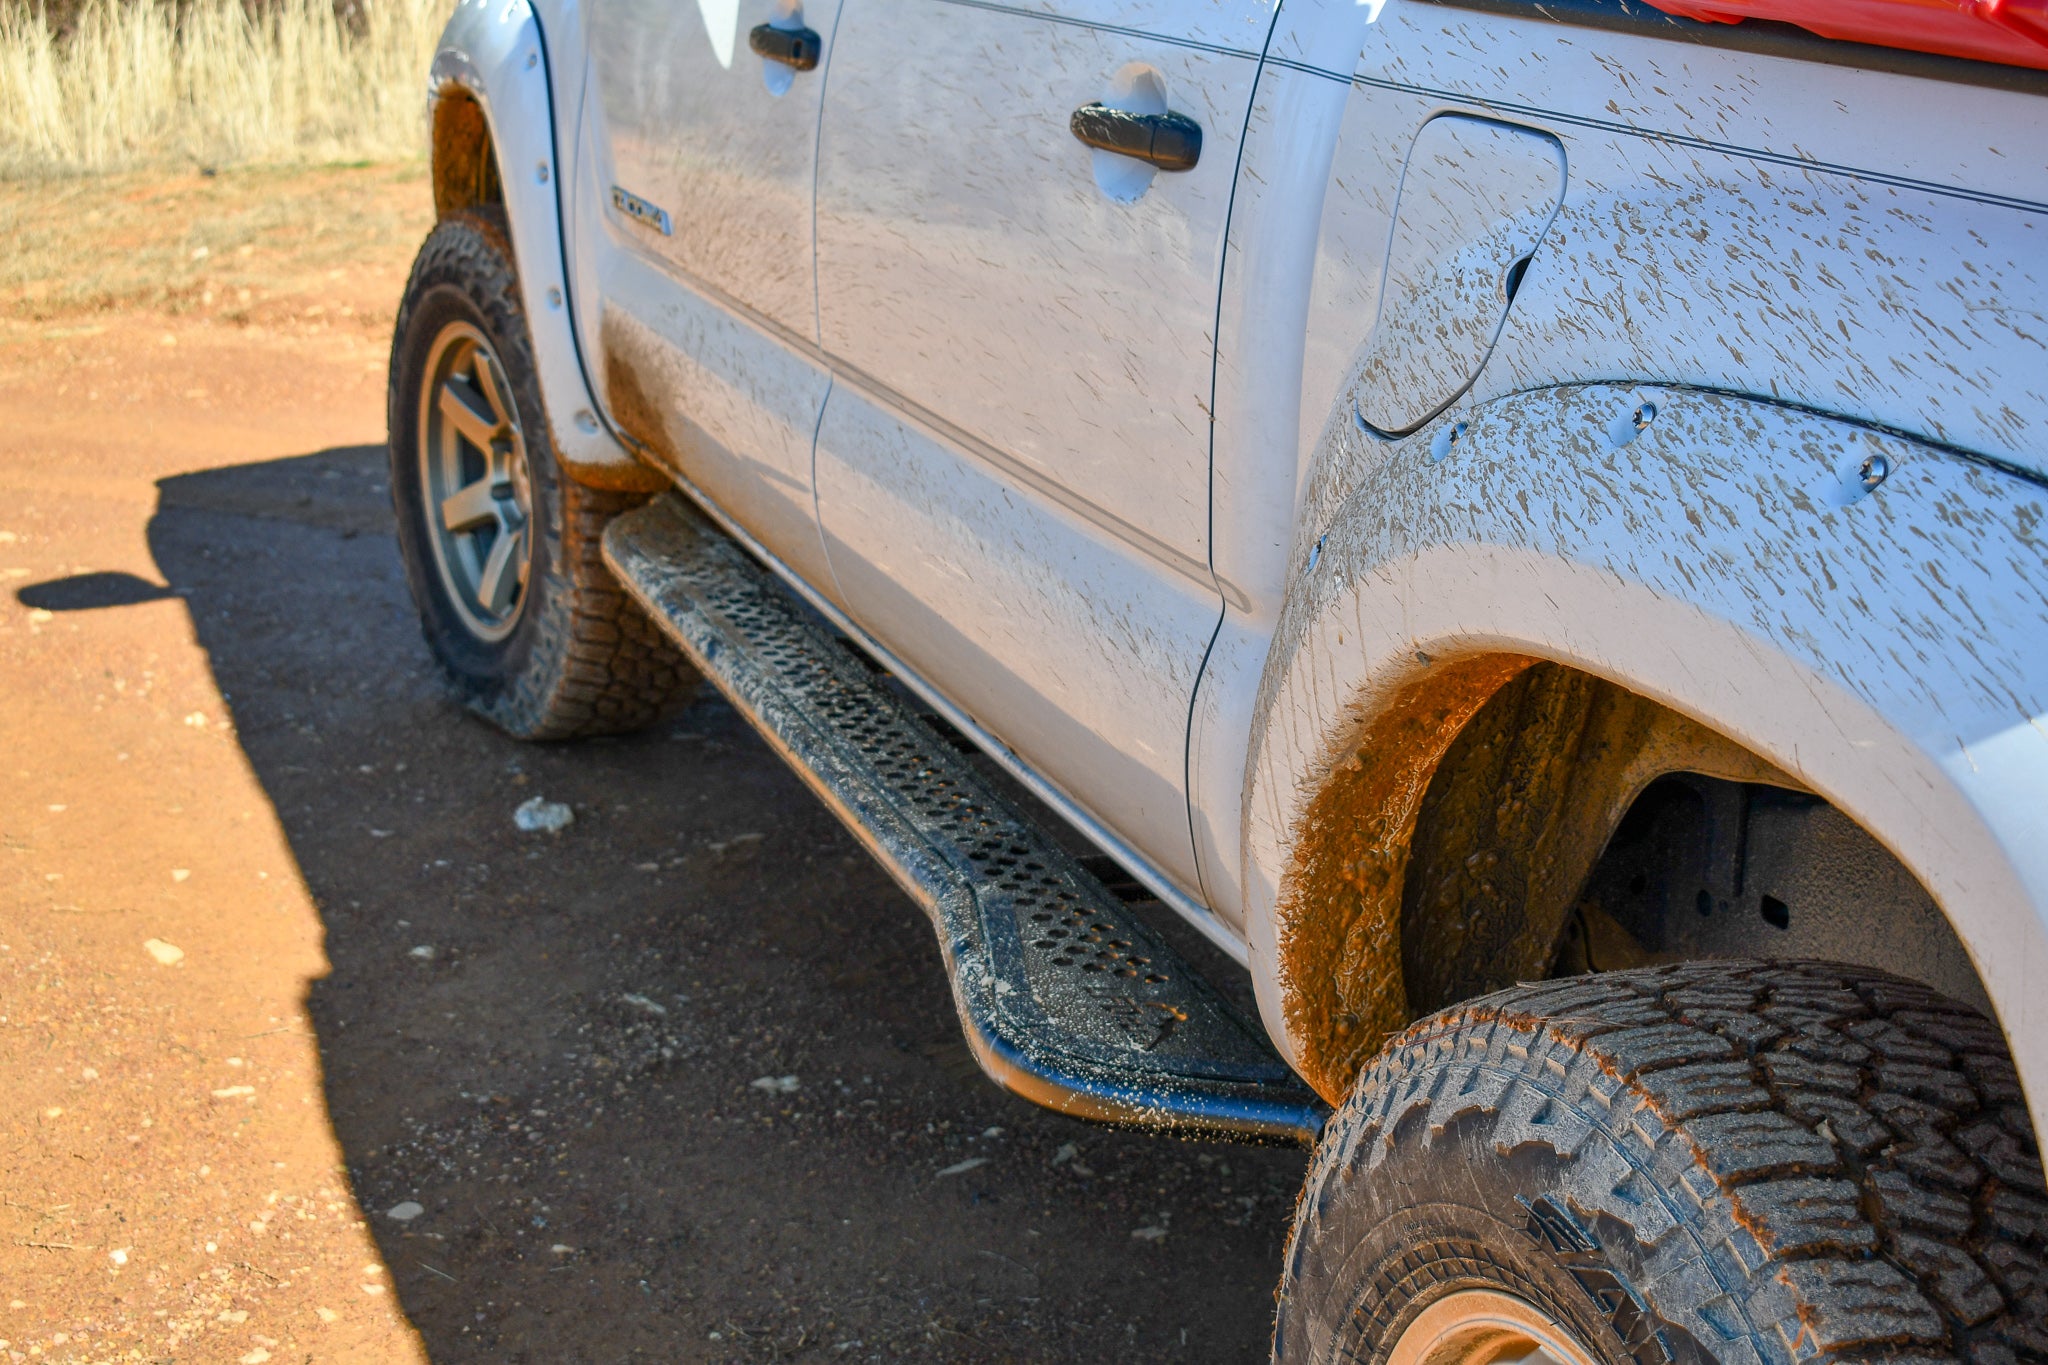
column 680, row 1082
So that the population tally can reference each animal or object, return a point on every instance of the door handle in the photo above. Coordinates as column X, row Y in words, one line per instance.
column 794, row 47
column 1172, row 142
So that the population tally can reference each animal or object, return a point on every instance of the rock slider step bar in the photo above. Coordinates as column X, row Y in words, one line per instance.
column 1067, row 999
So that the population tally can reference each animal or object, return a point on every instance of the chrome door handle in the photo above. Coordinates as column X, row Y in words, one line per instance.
column 794, row 47
column 1172, row 142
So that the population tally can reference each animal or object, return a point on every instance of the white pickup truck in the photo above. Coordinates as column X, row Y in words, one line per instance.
column 1522, row 520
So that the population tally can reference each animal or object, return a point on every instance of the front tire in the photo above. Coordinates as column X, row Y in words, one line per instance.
column 1715, row 1162
column 502, row 551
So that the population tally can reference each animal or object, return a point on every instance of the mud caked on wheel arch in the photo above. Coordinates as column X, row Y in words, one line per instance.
column 1726, row 1162
column 502, row 551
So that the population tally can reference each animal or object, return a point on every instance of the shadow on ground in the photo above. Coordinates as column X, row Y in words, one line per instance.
column 681, row 1082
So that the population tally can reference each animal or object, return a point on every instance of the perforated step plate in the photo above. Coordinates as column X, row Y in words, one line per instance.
column 1066, row 997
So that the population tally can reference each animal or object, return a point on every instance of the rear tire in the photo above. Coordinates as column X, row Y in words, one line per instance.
column 502, row 551
column 1712, row 1162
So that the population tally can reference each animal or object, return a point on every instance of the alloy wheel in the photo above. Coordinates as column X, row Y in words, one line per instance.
column 1486, row 1327
column 477, row 493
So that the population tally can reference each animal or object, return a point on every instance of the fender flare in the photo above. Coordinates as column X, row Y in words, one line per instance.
column 496, row 52
column 1888, row 650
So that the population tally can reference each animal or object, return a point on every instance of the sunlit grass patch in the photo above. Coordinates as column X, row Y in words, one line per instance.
column 242, row 246
column 212, row 83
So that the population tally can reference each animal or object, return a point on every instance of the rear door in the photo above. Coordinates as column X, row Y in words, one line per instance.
column 699, row 160
column 1013, row 470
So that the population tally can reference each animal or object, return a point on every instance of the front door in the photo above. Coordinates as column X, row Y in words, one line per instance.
column 1013, row 469
column 702, row 144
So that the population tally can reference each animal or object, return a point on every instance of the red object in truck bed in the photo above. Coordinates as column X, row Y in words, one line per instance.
column 2014, row 32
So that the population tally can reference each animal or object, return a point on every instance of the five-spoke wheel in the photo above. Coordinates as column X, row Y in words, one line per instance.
column 473, row 472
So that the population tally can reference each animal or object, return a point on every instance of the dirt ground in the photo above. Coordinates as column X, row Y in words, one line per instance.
column 277, row 970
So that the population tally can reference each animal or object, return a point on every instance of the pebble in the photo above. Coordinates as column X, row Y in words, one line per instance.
column 425, row 952
column 166, row 954
column 541, row 815
column 962, row 1167
column 1147, row 1234
column 775, row 1085
column 404, row 1212
column 641, row 1002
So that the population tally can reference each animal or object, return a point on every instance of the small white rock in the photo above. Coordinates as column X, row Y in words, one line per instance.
column 231, row 1091
column 197, row 720
column 1067, row 1152
column 425, row 952
column 179, row 874
column 962, row 1167
column 256, row 1357
column 1147, row 1234
column 119, row 1256
column 327, row 1315
column 775, row 1085
column 166, row 954
column 641, row 1002
column 541, row 815
column 562, row 1249
column 404, row 1212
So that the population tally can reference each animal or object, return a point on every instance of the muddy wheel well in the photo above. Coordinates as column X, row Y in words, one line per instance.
column 1508, row 819
column 465, row 163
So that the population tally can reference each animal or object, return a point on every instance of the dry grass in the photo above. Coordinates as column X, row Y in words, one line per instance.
column 252, row 247
column 212, row 83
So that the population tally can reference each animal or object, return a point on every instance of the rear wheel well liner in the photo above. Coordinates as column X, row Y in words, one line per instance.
column 1444, row 856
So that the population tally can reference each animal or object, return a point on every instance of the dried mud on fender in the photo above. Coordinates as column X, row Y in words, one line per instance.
column 1340, row 905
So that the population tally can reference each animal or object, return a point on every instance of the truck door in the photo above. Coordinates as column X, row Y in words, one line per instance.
column 1013, row 469
column 699, row 151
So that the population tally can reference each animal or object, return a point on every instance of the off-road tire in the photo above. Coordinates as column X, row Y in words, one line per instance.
column 584, row 659
column 1736, row 1162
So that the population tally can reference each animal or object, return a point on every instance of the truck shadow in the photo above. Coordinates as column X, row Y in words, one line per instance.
column 683, row 1080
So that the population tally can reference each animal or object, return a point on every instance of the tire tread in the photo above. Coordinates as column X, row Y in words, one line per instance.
column 1822, row 1158
column 596, row 664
